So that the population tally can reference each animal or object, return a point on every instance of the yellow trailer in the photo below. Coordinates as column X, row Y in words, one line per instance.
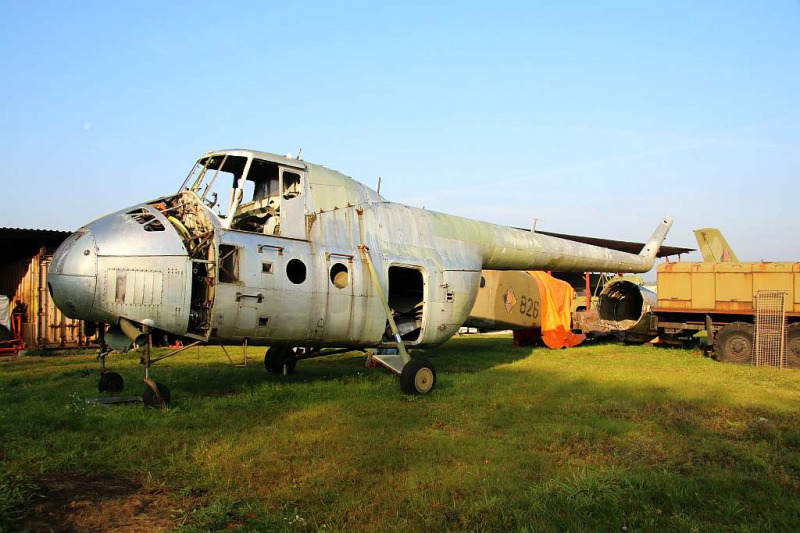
column 718, row 297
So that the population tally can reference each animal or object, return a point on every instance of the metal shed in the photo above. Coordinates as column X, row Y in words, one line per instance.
column 25, row 255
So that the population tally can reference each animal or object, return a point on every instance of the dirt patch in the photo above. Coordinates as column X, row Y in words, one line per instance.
column 75, row 502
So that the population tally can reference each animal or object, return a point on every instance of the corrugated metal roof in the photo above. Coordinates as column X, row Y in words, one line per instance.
column 19, row 243
column 31, row 231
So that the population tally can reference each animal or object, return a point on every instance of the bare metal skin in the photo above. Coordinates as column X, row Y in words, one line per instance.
column 290, row 265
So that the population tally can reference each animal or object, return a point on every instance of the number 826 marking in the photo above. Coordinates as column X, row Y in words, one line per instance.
column 529, row 307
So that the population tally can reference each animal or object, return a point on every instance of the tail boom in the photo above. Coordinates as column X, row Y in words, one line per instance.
column 505, row 248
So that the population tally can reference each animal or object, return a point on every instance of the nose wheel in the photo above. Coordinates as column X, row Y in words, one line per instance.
column 155, row 395
column 110, row 382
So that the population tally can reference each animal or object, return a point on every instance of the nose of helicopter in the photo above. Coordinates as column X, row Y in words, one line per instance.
column 72, row 277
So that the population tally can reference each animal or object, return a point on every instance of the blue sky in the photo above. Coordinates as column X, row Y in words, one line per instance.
column 595, row 117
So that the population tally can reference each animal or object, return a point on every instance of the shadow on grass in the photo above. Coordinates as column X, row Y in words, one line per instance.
column 550, row 443
column 212, row 374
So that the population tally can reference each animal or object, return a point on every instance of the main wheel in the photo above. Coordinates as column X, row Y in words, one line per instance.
column 793, row 345
column 149, row 396
column 277, row 356
column 418, row 377
column 734, row 343
column 110, row 382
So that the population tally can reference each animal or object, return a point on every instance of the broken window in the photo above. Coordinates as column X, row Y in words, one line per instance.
column 215, row 180
column 228, row 263
column 147, row 219
column 260, row 207
column 291, row 185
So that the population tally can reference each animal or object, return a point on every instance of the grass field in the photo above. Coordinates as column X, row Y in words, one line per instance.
column 602, row 437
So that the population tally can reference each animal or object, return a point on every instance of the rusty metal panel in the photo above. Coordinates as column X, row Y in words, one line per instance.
column 773, row 281
column 725, row 287
column 674, row 287
column 733, row 268
column 775, row 277
column 794, row 304
column 703, row 287
column 679, row 267
column 734, row 283
column 744, row 307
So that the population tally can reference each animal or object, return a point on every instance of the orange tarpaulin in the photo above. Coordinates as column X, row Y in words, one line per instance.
column 556, row 310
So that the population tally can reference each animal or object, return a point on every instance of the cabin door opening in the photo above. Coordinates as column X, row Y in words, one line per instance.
column 407, row 302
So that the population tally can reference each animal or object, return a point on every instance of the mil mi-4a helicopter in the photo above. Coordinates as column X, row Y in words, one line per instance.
column 274, row 251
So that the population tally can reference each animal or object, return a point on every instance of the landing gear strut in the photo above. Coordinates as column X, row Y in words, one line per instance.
column 417, row 376
column 109, row 381
column 155, row 394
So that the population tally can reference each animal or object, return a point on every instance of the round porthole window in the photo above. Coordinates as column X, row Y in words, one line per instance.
column 296, row 271
column 340, row 277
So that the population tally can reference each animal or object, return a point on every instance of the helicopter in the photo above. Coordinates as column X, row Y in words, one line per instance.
column 275, row 251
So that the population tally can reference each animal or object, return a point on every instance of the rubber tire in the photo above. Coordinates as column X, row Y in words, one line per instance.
column 418, row 377
column 149, row 396
column 110, row 382
column 275, row 357
column 793, row 345
column 734, row 343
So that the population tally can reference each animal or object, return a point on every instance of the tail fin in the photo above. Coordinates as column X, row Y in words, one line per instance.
column 713, row 246
column 650, row 249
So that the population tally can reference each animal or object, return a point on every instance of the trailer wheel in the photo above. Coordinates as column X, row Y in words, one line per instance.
column 793, row 345
column 734, row 343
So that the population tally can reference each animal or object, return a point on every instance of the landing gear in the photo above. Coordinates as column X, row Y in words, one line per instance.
column 155, row 394
column 159, row 399
column 281, row 360
column 417, row 377
column 734, row 343
column 110, row 382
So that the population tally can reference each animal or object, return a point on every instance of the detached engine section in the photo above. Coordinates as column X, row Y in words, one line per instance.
column 624, row 309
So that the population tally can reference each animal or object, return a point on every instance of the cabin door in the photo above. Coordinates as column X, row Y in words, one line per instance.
column 292, row 186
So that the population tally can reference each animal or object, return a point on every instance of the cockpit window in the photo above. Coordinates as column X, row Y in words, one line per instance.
column 215, row 178
column 251, row 194
column 259, row 211
column 291, row 185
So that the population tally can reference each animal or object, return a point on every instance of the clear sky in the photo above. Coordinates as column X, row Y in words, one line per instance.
column 595, row 117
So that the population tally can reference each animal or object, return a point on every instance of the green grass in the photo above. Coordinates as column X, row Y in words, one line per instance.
column 598, row 437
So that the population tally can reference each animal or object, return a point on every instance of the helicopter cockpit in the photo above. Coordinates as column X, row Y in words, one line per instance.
column 254, row 188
